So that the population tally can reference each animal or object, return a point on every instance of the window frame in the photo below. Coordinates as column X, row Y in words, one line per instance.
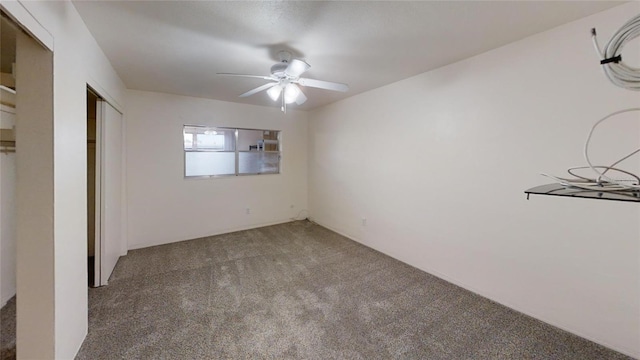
column 236, row 151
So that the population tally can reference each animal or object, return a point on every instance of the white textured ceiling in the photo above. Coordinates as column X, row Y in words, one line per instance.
column 178, row 46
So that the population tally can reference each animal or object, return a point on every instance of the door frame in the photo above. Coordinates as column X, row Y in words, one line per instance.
column 100, row 245
column 98, row 194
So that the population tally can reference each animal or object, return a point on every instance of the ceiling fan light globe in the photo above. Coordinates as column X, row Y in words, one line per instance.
column 274, row 92
column 302, row 98
column 291, row 92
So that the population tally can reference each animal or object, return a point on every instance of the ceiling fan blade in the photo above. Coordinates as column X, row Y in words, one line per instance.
column 296, row 68
column 320, row 84
column 301, row 98
column 258, row 89
column 249, row 76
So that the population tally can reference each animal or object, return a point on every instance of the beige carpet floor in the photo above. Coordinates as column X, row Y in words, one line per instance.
column 8, row 330
column 300, row 291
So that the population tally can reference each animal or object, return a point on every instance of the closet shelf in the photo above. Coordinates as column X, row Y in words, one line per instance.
column 7, row 141
column 559, row 190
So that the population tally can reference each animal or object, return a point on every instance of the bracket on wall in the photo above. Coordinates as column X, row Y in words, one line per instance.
column 559, row 190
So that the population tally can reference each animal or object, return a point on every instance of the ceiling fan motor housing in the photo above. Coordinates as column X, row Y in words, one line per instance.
column 278, row 69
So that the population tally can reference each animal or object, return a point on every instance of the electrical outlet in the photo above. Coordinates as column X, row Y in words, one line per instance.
column 248, row 211
column 364, row 221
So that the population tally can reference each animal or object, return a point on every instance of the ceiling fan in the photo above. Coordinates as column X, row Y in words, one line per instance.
column 284, row 80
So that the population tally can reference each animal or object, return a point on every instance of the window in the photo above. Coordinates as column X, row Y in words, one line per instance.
column 214, row 151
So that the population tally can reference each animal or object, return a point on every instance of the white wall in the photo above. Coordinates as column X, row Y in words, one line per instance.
column 438, row 163
column 7, row 213
column 165, row 207
column 77, row 61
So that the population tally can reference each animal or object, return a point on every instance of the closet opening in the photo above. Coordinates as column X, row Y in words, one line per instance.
column 26, row 192
column 105, row 240
column 8, row 33
column 92, row 106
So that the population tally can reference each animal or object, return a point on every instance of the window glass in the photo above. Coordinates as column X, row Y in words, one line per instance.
column 210, row 141
column 258, row 162
column 212, row 151
column 188, row 141
column 207, row 163
column 248, row 140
